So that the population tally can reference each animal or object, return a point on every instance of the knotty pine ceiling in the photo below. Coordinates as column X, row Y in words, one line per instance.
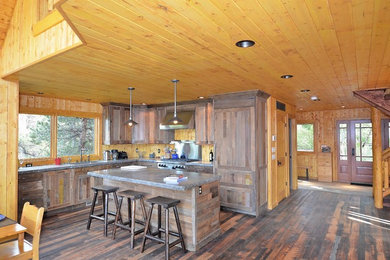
column 6, row 10
column 332, row 47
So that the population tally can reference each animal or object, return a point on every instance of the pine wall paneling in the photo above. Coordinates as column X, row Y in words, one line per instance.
column 325, row 134
column 9, row 104
column 21, row 49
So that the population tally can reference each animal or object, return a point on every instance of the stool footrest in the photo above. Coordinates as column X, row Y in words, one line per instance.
column 170, row 232
column 136, row 232
column 102, row 218
column 162, row 241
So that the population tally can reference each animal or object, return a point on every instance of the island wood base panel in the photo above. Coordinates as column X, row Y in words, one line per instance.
column 198, row 213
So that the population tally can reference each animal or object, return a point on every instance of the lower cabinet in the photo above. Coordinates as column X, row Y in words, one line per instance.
column 57, row 189
column 82, row 185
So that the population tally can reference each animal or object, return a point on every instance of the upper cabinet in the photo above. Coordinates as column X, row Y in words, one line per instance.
column 157, row 136
column 147, row 130
column 114, row 129
column 204, row 123
column 141, row 130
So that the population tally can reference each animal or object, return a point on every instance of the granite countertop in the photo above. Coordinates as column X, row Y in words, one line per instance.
column 155, row 177
column 52, row 167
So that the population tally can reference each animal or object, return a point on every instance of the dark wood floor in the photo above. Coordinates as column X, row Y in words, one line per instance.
column 309, row 224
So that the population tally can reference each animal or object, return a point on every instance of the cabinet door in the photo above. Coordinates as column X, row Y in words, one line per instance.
column 210, row 123
column 141, row 130
column 116, row 124
column 58, row 189
column 201, row 124
column 235, row 157
column 82, row 186
column 163, row 136
column 126, row 131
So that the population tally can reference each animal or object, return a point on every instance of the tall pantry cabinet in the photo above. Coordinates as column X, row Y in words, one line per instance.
column 240, row 150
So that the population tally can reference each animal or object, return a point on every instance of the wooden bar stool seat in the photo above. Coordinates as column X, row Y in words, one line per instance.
column 132, row 197
column 166, row 203
column 106, row 190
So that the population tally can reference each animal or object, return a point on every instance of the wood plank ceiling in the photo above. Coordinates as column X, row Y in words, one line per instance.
column 6, row 10
column 332, row 47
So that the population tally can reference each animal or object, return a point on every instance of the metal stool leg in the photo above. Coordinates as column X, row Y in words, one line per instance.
column 179, row 229
column 117, row 205
column 117, row 216
column 92, row 209
column 147, row 226
column 159, row 221
column 106, row 198
column 166, row 233
column 143, row 209
column 132, row 224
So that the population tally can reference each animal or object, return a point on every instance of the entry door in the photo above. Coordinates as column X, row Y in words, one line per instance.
column 282, row 142
column 355, row 151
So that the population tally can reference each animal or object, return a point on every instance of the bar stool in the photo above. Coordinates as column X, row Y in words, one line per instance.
column 166, row 203
column 106, row 190
column 132, row 197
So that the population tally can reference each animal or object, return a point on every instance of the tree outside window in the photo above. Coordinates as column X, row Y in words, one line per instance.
column 305, row 137
column 74, row 133
column 34, row 136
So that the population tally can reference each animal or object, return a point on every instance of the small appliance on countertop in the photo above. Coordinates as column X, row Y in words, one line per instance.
column 114, row 154
column 107, row 155
column 122, row 155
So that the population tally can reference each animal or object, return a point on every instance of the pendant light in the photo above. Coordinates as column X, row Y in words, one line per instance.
column 131, row 122
column 175, row 120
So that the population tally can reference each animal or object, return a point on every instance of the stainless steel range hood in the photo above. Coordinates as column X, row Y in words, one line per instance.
column 186, row 117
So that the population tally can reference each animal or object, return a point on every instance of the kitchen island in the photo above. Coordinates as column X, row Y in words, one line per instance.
column 199, row 199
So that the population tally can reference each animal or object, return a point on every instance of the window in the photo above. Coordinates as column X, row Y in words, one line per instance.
column 74, row 133
column 34, row 136
column 305, row 137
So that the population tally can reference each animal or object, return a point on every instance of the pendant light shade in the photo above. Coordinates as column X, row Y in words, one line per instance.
column 175, row 120
column 131, row 122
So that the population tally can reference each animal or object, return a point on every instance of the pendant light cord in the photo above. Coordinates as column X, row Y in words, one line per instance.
column 131, row 105
column 174, row 114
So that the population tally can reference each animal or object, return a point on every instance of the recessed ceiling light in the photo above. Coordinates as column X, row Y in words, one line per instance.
column 305, row 90
column 144, row 104
column 201, row 97
column 245, row 43
column 286, row 76
column 40, row 93
column 342, row 106
column 314, row 98
column 300, row 108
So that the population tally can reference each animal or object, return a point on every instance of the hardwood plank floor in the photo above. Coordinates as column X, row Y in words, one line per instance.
column 310, row 224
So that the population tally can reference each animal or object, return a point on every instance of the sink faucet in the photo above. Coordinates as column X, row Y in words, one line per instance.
column 81, row 153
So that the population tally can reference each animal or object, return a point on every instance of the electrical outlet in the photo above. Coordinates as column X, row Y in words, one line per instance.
column 200, row 189
column 136, row 150
column 158, row 151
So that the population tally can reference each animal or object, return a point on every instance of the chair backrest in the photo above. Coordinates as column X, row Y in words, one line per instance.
column 32, row 220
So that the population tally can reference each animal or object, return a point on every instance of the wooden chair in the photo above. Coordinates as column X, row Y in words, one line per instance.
column 32, row 220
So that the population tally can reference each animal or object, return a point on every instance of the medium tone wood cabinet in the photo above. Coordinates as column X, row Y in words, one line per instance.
column 58, row 189
column 141, row 130
column 114, row 129
column 157, row 136
column 204, row 123
column 239, row 143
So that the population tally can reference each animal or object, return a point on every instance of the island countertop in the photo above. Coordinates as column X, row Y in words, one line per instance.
column 155, row 177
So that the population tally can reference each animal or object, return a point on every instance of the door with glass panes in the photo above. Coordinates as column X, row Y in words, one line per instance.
column 355, row 151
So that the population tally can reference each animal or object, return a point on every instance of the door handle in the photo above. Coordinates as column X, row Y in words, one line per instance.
column 279, row 163
column 353, row 151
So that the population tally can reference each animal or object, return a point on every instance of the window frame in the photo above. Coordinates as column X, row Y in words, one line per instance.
column 314, row 136
column 53, row 139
